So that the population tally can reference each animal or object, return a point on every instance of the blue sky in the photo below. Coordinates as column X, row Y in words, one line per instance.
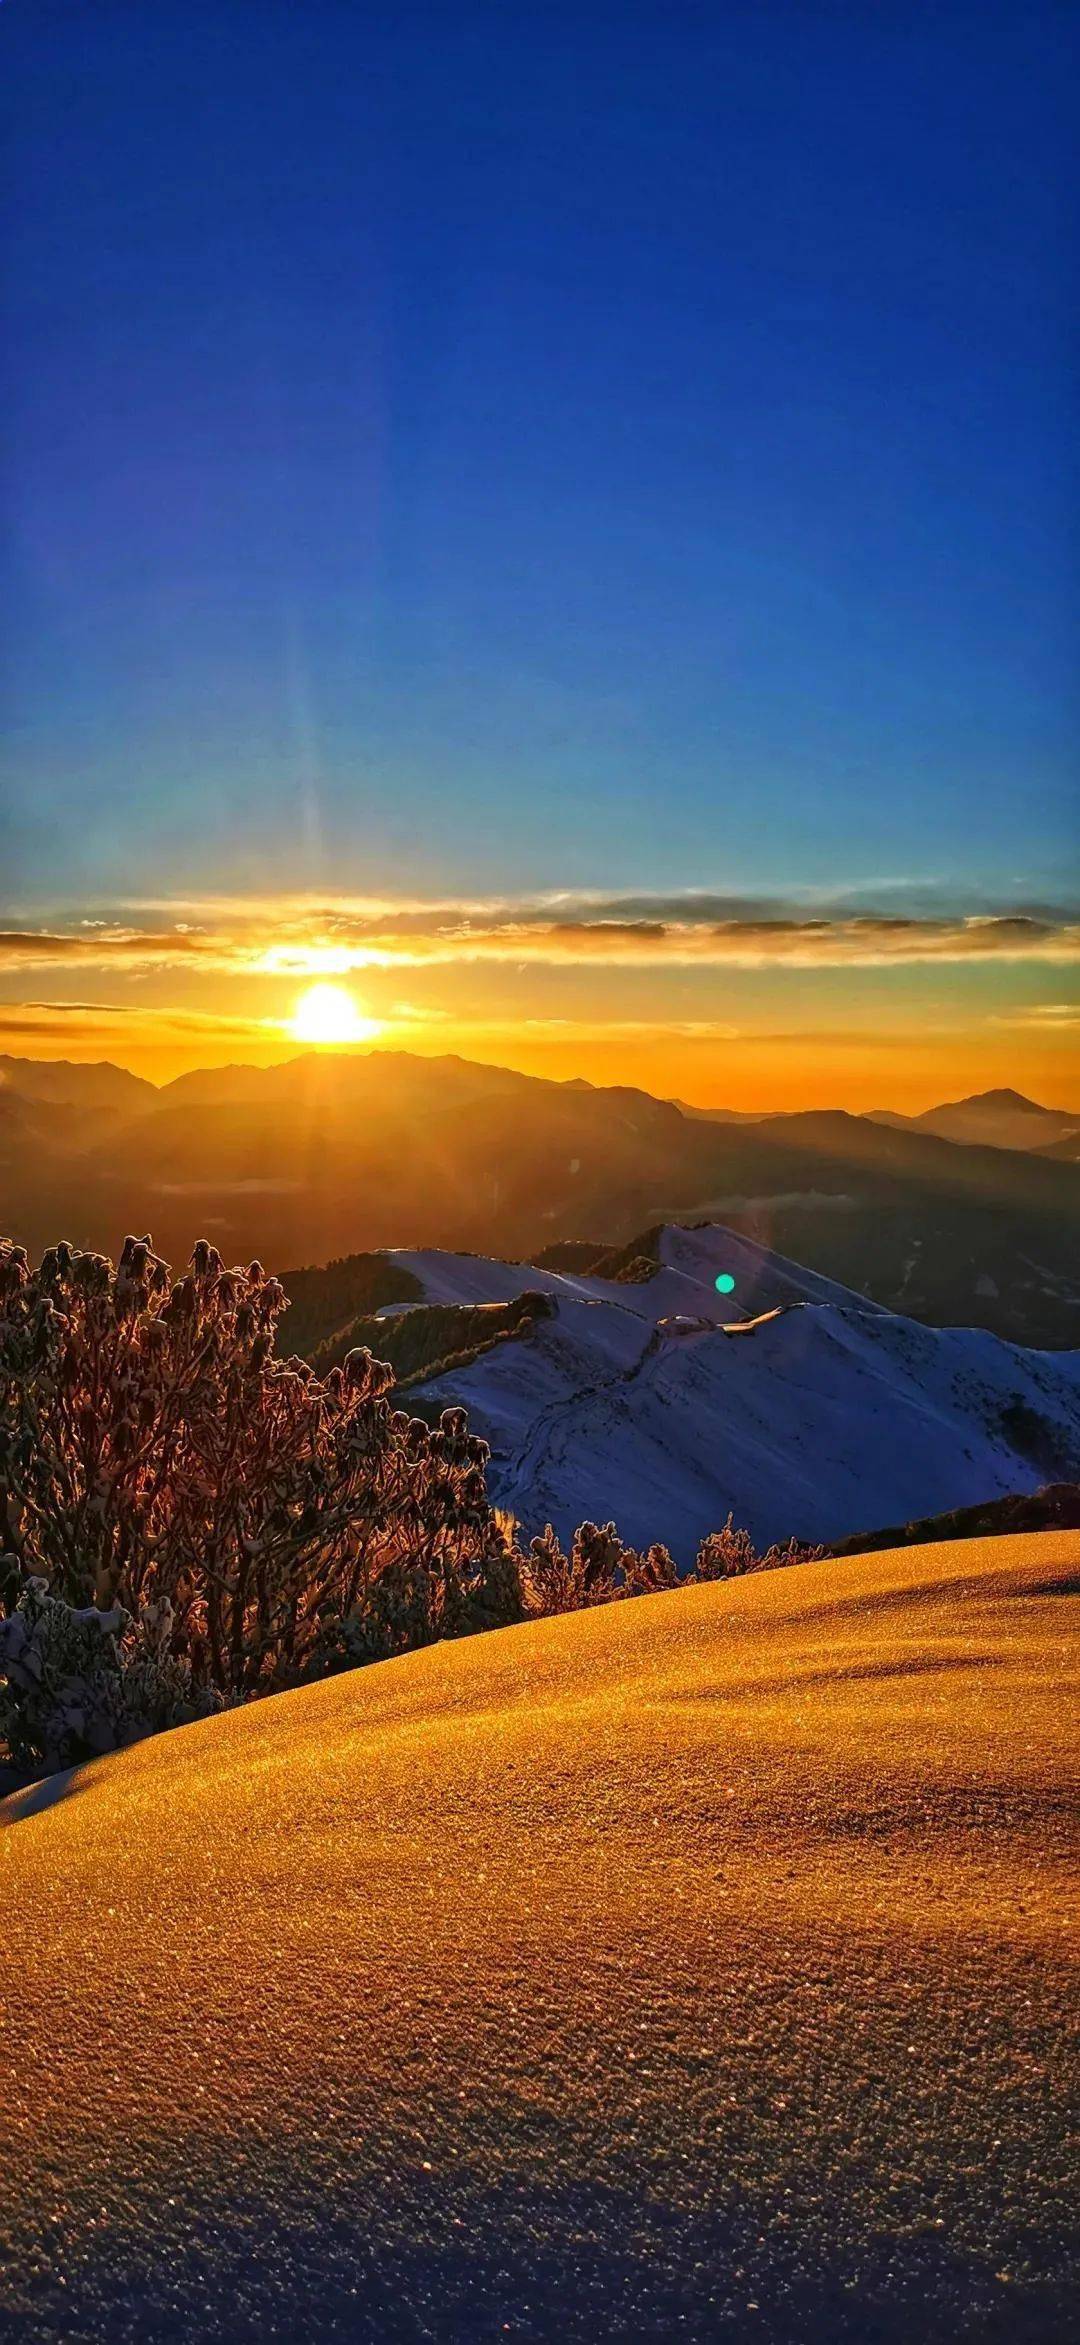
column 486, row 450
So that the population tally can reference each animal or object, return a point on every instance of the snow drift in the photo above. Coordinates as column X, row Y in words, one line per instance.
column 692, row 1968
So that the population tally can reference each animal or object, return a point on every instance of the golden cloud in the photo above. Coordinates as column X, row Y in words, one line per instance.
column 298, row 937
column 1043, row 1018
column 76, row 1021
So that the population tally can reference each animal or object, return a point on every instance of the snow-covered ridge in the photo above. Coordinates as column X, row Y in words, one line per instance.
column 828, row 1416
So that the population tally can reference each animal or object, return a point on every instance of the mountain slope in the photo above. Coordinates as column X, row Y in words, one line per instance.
column 77, row 1083
column 819, row 1416
column 331, row 1155
column 697, row 1967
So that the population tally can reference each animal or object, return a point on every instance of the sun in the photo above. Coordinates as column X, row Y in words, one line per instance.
column 328, row 1014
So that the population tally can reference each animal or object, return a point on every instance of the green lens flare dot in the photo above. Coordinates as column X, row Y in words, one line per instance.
column 725, row 1284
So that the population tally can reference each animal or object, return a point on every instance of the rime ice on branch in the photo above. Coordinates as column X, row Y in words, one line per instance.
column 187, row 1519
column 153, row 1448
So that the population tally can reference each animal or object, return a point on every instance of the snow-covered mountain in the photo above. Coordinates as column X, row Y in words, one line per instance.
column 788, row 1399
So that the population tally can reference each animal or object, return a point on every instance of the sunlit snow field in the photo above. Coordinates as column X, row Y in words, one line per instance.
column 697, row 1966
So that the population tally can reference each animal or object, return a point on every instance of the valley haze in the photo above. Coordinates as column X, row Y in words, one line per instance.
column 335, row 1152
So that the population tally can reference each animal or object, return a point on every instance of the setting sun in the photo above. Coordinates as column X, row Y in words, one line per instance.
column 328, row 1013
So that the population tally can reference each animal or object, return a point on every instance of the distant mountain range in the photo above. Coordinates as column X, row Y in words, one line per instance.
column 995, row 1119
column 329, row 1154
column 85, row 1083
column 663, row 1404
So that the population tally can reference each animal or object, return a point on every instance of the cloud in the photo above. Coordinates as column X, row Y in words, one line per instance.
column 609, row 1029
column 94, row 944
column 307, row 936
column 76, row 1022
column 1043, row 1018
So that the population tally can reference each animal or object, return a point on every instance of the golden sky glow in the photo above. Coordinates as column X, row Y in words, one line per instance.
column 725, row 1001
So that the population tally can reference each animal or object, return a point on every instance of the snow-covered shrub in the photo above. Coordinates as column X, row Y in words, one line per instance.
column 725, row 1554
column 154, row 1450
column 599, row 1569
column 728, row 1553
column 76, row 1681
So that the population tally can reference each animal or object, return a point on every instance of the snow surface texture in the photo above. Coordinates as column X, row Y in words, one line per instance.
column 827, row 1417
column 692, row 1968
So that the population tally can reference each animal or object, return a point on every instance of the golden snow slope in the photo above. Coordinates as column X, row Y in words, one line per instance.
column 696, row 1967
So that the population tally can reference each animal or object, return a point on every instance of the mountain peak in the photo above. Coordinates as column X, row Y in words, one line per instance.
column 1001, row 1099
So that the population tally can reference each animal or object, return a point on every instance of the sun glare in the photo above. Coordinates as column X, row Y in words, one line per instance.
column 328, row 1014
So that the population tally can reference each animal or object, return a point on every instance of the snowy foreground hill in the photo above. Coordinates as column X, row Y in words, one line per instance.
column 695, row 1968
column 792, row 1401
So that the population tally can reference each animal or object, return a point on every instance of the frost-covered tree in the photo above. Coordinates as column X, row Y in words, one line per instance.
column 187, row 1519
column 155, row 1450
